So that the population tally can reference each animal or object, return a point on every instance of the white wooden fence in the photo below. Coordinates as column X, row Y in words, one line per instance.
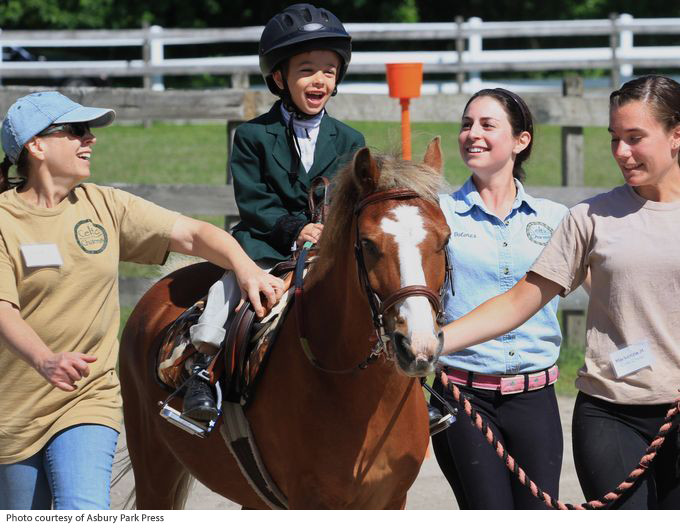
column 466, row 57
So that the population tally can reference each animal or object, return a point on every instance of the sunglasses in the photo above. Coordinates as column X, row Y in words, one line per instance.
column 78, row 130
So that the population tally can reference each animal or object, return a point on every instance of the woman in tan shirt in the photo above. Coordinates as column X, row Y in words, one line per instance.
column 629, row 241
column 60, row 243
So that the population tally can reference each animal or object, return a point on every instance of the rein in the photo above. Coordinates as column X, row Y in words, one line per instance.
column 608, row 499
column 377, row 306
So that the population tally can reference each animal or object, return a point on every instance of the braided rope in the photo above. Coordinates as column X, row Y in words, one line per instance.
column 606, row 500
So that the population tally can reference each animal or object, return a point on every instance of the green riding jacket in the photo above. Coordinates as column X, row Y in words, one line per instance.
column 271, row 199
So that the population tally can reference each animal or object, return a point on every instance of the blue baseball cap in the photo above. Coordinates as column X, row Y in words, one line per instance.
column 33, row 113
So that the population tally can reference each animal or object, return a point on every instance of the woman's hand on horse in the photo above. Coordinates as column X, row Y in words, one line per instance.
column 310, row 233
column 64, row 369
column 257, row 284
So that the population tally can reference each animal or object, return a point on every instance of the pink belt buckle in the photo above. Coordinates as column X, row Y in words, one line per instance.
column 512, row 385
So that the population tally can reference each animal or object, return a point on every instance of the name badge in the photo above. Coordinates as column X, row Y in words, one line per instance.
column 41, row 255
column 630, row 359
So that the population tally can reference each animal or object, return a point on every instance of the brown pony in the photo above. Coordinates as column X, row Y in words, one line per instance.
column 328, row 440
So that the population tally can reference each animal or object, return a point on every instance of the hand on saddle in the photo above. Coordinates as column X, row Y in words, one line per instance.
column 64, row 369
column 310, row 233
column 263, row 290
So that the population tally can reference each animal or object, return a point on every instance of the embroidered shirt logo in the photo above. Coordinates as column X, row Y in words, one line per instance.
column 91, row 237
column 539, row 233
column 463, row 234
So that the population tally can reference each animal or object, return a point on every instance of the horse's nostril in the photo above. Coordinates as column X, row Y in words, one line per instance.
column 402, row 341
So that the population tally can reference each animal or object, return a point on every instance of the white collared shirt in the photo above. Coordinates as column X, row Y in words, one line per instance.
column 307, row 132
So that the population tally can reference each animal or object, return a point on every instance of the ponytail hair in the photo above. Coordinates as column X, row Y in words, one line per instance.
column 4, row 174
column 7, row 182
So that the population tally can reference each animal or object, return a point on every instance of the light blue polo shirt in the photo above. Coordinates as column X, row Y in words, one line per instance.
column 489, row 257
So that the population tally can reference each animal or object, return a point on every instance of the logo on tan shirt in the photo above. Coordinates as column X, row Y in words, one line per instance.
column 539, row 233
column 91, row 237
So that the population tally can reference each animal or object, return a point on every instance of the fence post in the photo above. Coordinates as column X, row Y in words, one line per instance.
column 0, row 58
column 146, row 54
column 156, row 56
column 574, row 327
column 625, row 45
column 240, row 80
column 231, row 129
column 460, row 47
column 573, row 321
column 475, row 49
column 572, row 139
column 614, row 44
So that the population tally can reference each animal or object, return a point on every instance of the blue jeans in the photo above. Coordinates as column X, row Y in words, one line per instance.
column 73, row 470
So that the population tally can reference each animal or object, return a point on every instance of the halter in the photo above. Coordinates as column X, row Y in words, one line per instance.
column 378, row 307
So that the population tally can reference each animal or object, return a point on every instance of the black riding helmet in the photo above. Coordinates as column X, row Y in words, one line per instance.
column 300, row 28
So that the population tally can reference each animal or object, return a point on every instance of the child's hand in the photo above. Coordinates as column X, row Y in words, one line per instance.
column 310, row 233
column 257, row 284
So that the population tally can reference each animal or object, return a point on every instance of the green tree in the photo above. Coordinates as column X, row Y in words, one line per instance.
column 114, row 14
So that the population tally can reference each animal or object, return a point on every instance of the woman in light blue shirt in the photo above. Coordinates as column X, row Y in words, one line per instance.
column 497, row 231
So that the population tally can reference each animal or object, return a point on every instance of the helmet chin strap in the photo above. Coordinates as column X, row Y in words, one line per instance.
column 290, row 105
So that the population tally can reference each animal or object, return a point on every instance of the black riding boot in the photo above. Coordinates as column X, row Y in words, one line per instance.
column 199, row 402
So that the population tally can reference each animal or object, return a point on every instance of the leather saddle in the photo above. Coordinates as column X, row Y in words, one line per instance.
column 243, row 354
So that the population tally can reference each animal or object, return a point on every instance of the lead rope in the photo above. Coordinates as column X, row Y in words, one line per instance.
column 536, row 491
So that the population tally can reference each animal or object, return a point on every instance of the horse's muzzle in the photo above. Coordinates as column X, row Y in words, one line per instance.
column 416, row 357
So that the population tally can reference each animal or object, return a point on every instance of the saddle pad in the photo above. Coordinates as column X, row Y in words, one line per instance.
column 177, row 348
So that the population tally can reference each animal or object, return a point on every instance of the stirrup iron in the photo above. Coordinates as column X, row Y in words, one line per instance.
column 193, row 427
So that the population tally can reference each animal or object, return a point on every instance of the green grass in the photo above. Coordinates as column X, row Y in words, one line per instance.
column 166, row 153
column 125, row 312
column 570, row 361
column 162, row 153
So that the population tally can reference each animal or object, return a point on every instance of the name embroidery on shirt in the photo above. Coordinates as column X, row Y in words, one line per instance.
column 461, row 234
column 91, row 237
column 539, row 233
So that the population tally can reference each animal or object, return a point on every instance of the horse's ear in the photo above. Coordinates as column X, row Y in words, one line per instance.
column 433, row 155
column 366, row 170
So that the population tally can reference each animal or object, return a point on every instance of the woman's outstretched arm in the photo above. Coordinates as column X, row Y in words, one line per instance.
column 499, row 315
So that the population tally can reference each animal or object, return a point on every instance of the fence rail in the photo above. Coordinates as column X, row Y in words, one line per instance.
column 466, row 39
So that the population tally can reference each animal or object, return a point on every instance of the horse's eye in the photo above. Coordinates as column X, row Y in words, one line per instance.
column 370, row 247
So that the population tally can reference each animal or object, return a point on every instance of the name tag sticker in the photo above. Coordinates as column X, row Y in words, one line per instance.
column 41, row 255
column 630, row 359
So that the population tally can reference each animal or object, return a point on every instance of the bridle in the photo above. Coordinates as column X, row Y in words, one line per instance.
column 377, row 306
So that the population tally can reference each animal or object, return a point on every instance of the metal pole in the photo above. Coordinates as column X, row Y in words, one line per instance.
column 405, row 129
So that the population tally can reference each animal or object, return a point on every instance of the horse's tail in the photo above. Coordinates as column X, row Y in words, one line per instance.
column 124, row 466
column 184, row 486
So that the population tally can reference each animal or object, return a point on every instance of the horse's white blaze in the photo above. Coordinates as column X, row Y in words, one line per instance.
column 409, row 231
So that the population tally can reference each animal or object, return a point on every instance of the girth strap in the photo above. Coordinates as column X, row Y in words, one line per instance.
column 239, row 438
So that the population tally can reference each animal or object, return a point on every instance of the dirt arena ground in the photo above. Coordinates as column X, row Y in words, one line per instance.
column 430, row 491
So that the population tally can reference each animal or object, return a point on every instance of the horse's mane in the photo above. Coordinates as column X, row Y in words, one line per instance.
column 394, row 173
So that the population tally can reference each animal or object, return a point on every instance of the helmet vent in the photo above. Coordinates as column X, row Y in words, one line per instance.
column 288, row 21
column 307, row 15
column 324, row 15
